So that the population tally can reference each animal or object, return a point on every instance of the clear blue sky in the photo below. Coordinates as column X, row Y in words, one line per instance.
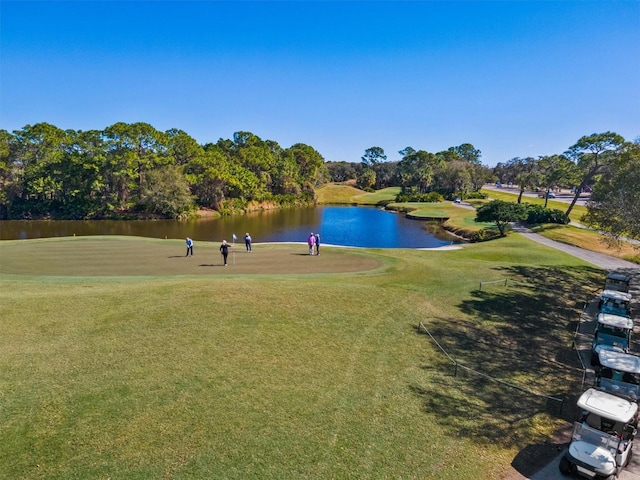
column 515, row 79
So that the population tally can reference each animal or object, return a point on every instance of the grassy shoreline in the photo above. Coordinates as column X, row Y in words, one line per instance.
column 163, row 371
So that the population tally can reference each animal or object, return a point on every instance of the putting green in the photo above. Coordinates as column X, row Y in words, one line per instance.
column 135, row 256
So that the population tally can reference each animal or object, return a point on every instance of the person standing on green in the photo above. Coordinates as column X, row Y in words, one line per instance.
column 247, row 242
column 224, row 250
column 189, row 247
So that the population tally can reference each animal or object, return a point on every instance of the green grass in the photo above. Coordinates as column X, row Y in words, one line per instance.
column 346, row 193
column 122, row 359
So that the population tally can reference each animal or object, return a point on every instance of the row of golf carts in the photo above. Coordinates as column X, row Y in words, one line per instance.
column 602, row 439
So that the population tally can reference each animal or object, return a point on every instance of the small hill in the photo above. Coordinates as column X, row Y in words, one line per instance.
column 339, row 193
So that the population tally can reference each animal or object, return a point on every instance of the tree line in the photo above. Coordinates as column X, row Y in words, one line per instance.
column 136, row 170
column 604, row 164
column 133, row 170
column 455, row 171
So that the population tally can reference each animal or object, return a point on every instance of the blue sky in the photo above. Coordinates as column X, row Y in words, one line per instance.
column 514, row 78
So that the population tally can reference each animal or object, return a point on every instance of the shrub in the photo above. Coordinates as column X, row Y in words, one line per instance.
column 475, row 196
column 483, row 235
column 537, row 214
column 431, row 197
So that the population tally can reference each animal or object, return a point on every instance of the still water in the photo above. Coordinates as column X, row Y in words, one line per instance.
column 352, row 226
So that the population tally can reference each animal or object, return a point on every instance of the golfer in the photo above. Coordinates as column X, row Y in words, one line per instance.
column 311, row 241
column 224, row 250
column 189, row 247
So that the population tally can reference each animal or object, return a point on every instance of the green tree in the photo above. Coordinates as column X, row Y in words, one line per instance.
column 386, row 174
column 209, row 176
column 501, row 213
column 372, row 156
column 614, row 206
column 6, row 174
column 366, row 179
column 555, row 171
column 80, row 174
column 165, row 192
column 182, row 148
column 592, row 154
column 480, row 174
column 132, row 151
column 454, row 176
column 310, row 162
column 524, row 172
column 468, row 153
column 37, row 153
column 418, row 169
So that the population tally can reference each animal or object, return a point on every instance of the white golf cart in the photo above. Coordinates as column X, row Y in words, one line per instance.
column 619, row 374
column 615, row 302
column 602, row 438
column 617, row 281
column 613, row 332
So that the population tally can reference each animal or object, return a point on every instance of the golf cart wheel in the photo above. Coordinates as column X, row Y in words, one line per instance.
column 566, row 468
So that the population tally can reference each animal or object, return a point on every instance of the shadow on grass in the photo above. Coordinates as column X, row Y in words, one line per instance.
column 520, row 335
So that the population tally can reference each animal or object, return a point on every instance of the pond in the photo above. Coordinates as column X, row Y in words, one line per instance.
column 337, row 225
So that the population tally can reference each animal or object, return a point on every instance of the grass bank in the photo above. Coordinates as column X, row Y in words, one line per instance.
column 122, row 359
column 348, row 194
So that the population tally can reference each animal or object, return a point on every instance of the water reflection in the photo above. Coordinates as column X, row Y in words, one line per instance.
column 353, row 226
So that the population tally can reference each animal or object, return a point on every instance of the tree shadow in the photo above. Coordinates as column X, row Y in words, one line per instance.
column 520, row 335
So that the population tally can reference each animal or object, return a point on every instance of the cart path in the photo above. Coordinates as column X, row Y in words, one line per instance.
column 601, row 260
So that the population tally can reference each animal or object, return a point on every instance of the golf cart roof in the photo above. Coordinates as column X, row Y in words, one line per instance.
column 616, row 295
column 622, row 362
column 616, row 321
column 622, row 277
column 608, row 406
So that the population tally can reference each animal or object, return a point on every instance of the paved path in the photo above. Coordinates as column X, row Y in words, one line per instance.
column 598, row 259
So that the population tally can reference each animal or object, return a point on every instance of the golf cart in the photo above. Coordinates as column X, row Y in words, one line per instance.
column 602, row 438
column 619, row 374
column 615, row 302
column 613, row 332
column 617, row 281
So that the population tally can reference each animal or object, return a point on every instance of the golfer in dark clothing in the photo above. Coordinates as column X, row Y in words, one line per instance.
column 224, row 250
column 247, row 242
column 317, row 235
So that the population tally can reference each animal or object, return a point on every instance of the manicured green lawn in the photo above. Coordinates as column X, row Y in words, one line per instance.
column 340, row 193
column 122, row 359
